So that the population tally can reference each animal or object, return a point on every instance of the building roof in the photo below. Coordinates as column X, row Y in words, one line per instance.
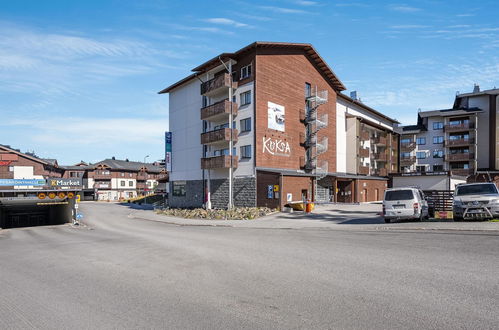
column 309, row 50
column 449, row 112
column 409, row 129
column 493, row 91
column 368, row 108
column 51, row 162
column 128, row 165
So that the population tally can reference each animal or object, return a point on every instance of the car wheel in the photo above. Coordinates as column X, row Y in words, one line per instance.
column 420, row 216
column 387, row 220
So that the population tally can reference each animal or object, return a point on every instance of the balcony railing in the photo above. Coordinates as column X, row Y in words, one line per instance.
column 364, row 135
column 381, row 156
column 218, row 136
column 459, row 157
column 380, row 140
column 101, row 176
column 381, row 172
column 407, row 146
column 141, row 176
column 217, row 84
column 218, row 110
column 141, row 185
column 407, row 160
column 458, row 127
column 364, row 152
column 222, row 161
column 462, row 171
column 364, row 170
column 459, row 142
column 163, row 177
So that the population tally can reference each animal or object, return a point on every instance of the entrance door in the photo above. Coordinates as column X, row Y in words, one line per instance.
column 345, row 191
column 376, row 194
column 304, row 195
column 364, row 195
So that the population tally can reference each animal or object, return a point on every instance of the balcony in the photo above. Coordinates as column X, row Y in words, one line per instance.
column 141, row 176
column 101, row 176
column 218, row 111
column 218, row 162
column 459, row 157
column 459, row 127
column 462, row 171
column 102, row 185
column 217, row 84
column 381, row 172
column 381, row 157
column 364, row 152
column 219, row 136
column 163, row 177
column 364, row 135
column 459, row 142
column 364, row 170
column 407, row 160
column 407, row 146
column 380, row 140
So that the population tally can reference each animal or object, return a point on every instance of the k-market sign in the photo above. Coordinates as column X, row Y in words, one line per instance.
column 276, row 147
column 58, row 182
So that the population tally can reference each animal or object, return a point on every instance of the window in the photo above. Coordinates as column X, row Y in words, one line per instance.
column 148, row 183
column 179, row 188
column 246, row 151
column 245, row 125
column 122, row 174
column 205, row 101
column 122, row 183
column 405, row 155
column 130, row 174
column 421, row 140
column 420, row 155
column 438, row 139
column 308, row 90
column 399, row 195
column 245, row 71
column 438, row 168
column 405, row 140
column 438, row 125
column 245, row 98
column 421, row 168
column 438, row 154
column 130, row 183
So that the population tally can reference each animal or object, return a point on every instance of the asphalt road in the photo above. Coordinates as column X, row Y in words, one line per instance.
column 121, row 272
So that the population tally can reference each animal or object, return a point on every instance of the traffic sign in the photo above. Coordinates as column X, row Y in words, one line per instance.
column 79, row 216
column 76, row 206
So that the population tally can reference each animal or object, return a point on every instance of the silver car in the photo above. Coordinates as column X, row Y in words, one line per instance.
column 404, row 203
column 476, row 201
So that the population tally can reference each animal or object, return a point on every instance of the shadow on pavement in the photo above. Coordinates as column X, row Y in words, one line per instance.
column 137, row 206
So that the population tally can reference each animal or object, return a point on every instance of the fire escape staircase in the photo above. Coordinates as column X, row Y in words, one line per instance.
column 314, row 123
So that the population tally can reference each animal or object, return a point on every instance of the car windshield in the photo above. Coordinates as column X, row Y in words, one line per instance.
column 398, row 195
column 476, row 189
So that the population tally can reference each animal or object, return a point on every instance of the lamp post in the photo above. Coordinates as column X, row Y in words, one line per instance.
column 144, row 189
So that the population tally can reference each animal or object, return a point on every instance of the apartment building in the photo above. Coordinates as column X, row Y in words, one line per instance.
column 266, row 116
column 462, row 140
column 114, row 179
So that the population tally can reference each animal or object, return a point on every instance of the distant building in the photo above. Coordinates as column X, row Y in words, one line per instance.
column 15, row 164
column 463, row 140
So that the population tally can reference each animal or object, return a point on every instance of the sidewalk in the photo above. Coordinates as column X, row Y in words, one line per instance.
column 330, row 216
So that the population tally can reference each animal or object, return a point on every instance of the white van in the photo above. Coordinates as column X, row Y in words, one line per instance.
column 404, row 203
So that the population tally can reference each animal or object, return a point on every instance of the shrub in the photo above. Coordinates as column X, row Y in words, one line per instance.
column 238, row 213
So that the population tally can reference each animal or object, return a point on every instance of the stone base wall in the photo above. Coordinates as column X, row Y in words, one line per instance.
column 194, row 195
column 244, row 190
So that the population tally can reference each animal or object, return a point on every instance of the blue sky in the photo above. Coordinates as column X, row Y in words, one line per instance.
column 79, row 79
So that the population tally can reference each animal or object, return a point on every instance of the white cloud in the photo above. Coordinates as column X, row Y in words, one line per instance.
column 404, row 8
column 409, row 26
column 225, row 21
column 306, row 3
column 283, row 10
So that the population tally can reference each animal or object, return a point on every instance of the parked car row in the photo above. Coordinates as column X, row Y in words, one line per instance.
column 474, row 201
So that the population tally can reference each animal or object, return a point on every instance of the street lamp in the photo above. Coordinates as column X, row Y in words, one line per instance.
column 144, row 189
